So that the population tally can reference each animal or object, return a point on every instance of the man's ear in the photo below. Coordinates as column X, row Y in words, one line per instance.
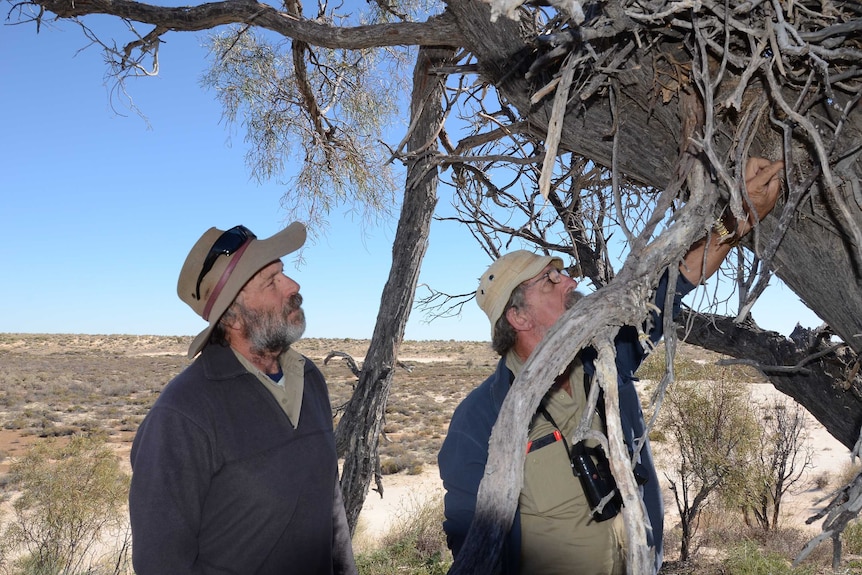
column 519, row 320
column 235, row 322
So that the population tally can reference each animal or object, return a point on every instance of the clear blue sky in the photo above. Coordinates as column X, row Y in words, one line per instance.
column 99, row 209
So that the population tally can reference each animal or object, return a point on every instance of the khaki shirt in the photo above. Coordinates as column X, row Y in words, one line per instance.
column 558, row 535
column 288, row 390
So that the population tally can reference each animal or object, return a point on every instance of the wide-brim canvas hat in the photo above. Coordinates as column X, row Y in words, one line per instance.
column 229, row 273
column 504, row 275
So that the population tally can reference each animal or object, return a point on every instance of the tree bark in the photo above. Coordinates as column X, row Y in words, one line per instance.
column 817, row 257
column 359, row 430
column 207, row 16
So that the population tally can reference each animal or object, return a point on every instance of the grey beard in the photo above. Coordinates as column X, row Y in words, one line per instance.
column 573, row 298
column 273, row 332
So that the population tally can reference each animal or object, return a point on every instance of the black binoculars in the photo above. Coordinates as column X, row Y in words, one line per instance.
column 591, row 466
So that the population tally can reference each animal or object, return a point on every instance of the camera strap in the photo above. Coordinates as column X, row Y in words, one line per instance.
column 558, row 434
column 589, row 465
column 600, row 408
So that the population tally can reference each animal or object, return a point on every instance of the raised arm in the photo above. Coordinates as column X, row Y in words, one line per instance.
column 763, row 185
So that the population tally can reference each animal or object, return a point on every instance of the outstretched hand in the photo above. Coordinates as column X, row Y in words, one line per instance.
column 763, row 183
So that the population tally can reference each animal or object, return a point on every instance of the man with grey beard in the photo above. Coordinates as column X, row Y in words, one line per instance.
column 560, row 527
column 234, row 467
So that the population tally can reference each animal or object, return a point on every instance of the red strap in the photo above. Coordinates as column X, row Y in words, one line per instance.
column 545, row 440
column 223, row 279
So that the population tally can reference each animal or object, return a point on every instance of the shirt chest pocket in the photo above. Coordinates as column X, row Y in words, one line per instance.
column 550, row 487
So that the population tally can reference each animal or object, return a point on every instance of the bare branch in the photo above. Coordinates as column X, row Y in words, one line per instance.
column 437, row 31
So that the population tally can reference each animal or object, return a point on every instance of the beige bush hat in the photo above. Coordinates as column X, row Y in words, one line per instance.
column 221, row 263
column 504, row 275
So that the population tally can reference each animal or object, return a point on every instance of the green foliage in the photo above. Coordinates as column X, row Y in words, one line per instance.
column 688, row 367
column 779, row 463
column 747, row 559
column 713, row 427
column 333, row 104
column 714, row 432
column 415, row 545
column 72, row 495
column 399, row 463
column 851, row 538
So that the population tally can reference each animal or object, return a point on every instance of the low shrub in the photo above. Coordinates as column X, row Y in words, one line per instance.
column 399, row 463
column 851, row 539
column 415, row 545
column 55, row 532
column 747, row 558
column 848, row 473
column 822, row 480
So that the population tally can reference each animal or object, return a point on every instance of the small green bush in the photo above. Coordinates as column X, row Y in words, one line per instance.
column 691, row 369
column 747, row 559
column 399, row 463
column 416, row 545
column 851, row 539
column 72, row 497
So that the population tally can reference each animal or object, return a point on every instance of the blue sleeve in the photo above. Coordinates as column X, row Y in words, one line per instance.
column 461, row 462
column 630, row 351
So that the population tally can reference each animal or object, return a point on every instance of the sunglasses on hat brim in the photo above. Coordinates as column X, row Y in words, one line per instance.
column 227, row 243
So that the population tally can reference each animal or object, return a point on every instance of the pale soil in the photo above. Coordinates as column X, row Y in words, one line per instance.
column 405, row 493
column 55, row 385
column 829, row 456
column 52, row 385
column 403, row 496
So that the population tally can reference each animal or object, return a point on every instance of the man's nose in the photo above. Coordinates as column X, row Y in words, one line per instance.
column 290, row 285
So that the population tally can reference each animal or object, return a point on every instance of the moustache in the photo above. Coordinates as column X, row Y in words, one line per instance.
column 294, row 302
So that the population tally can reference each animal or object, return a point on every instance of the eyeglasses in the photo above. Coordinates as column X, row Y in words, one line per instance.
column 553, row 275
column 227, row 243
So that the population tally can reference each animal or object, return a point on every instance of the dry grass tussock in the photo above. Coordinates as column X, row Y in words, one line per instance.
column 59, row 385
column 62, row 385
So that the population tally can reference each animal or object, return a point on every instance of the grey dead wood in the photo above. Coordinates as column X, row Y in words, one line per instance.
column 358, row 433
column 812, row 241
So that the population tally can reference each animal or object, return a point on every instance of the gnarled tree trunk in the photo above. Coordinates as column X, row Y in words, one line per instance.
column 358, row 432
column 650, row 133
column 817, row 256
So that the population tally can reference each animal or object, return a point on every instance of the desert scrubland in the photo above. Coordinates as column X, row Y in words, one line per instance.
column 57, row 386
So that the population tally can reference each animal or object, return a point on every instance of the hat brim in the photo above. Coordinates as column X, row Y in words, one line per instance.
column 258, row 255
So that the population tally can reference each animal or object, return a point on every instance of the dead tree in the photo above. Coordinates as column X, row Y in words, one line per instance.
column 359, row 431
column 672, row 96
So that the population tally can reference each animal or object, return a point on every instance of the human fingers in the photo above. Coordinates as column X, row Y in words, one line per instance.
column 763, row 175
column 754, row 165
column 763, row 189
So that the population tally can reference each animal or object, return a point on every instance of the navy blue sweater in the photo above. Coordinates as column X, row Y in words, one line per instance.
column 223, row 483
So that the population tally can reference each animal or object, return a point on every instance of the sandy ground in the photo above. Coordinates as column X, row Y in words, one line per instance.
column 829, row 456
column 403, row 494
